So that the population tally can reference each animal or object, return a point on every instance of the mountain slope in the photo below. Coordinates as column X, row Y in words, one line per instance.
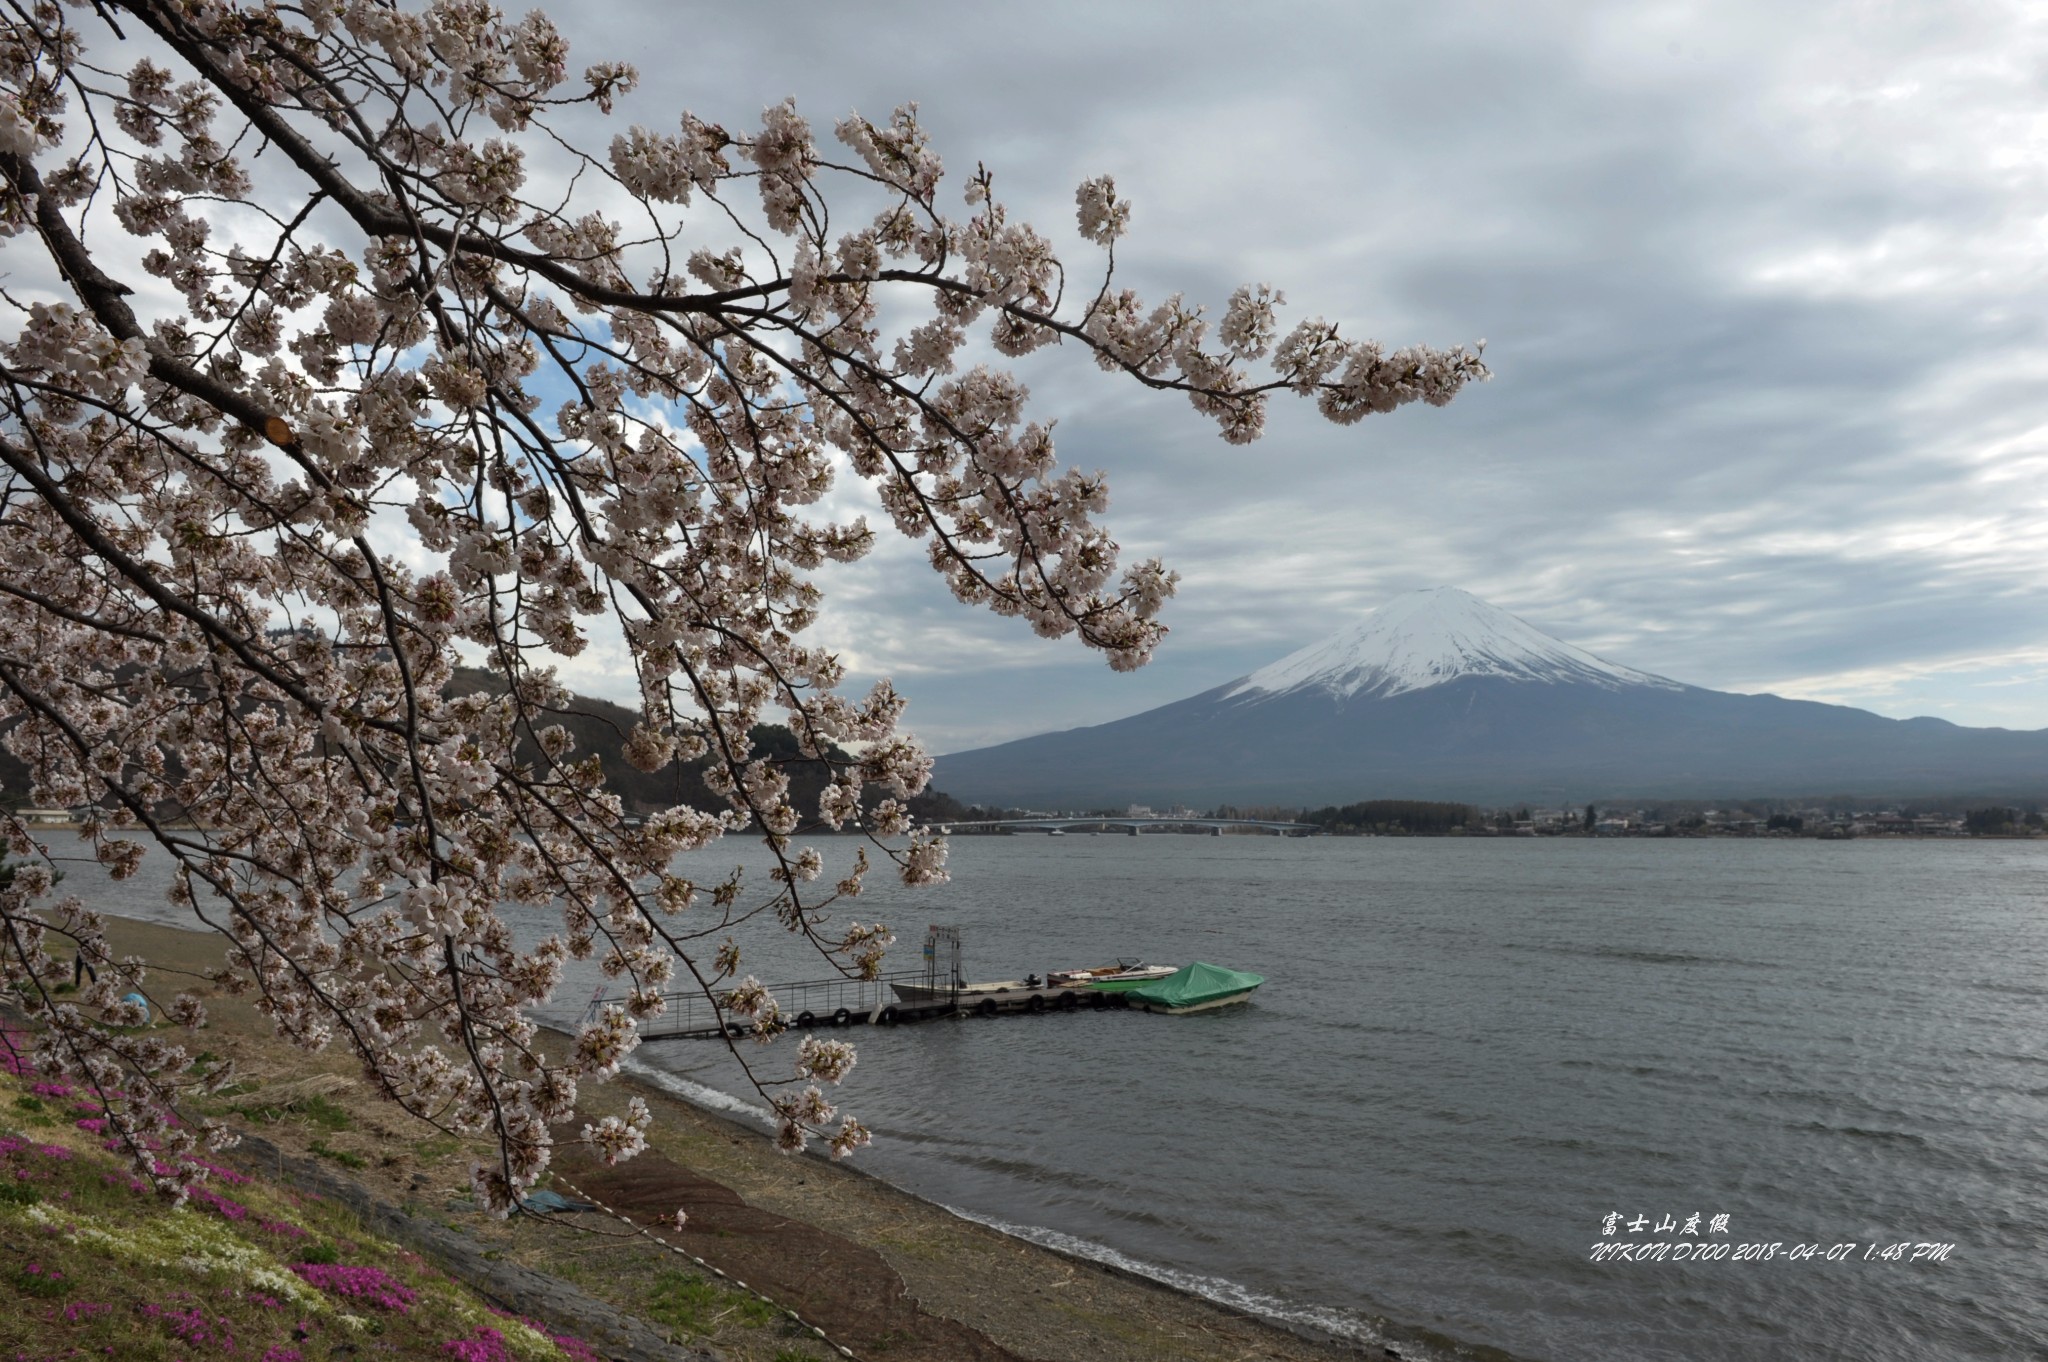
column 1427, row 638
column 1441, row 696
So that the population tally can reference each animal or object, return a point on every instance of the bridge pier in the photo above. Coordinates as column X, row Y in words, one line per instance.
column 1134, row 829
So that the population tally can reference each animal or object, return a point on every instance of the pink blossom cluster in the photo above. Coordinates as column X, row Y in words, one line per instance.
column 366, row 1285
column 445, row 383
column 575, row 1349
column 484, row 1345
column 191, row 1326
column 221, row 1206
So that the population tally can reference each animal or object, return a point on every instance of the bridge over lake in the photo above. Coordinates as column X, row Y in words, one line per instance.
column 1059, row 826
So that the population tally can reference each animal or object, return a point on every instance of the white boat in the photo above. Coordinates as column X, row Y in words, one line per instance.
column 1109, row 978
column 1063, row 989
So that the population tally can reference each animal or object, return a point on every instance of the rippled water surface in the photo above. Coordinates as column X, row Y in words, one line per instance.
column 1469, row 1053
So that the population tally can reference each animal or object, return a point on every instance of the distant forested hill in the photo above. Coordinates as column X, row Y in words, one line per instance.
column 600, row 728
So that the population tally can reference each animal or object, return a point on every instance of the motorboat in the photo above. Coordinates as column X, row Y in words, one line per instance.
column 967, row 994
column 1123, row 975
column 1194, row 988
column 1064, row 989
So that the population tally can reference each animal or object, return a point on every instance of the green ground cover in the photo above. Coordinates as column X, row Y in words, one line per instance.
column 95, row 1263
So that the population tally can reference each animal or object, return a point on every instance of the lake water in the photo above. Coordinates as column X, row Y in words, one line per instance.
column 1468, row 1055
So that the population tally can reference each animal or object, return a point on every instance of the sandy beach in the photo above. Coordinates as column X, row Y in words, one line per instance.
column 882, row 1273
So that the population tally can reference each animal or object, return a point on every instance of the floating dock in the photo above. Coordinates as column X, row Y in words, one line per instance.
column 917, row 995
column 822, row 1004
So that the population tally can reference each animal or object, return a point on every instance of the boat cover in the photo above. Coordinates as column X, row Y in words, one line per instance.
column 1195, row 984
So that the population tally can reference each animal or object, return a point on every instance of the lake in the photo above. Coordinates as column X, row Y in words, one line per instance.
column 1469, row 1055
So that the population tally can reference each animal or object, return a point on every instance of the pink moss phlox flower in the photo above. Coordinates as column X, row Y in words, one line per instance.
column 219, row 1205
column 370, row 1285
column 227, row 1175
column 193, row 1327
column 54, row 1151
column 82, row 1310
column 486, row 1345
column 281, row 1354
column 93, row 1124
column 50, row 1089
column 576, row 1349
column 283, row 1227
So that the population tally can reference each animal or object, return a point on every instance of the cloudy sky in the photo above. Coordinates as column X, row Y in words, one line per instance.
column 1763, row 288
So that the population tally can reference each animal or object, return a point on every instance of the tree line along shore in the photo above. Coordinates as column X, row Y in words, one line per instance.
column 1827, row 820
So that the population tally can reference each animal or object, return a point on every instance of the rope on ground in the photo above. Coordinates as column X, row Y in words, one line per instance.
column 714, row 1270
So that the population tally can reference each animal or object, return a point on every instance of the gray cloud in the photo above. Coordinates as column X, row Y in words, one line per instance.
column 1764, row 291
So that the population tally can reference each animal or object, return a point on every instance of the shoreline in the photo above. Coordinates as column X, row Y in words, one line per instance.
column 1388, row 1340
column 1002, row 1283
column 1416, row 1345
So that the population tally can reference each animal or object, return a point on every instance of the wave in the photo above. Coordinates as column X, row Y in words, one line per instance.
column 697, row 1094
column 2011, row 990
column 1223, row 1291
column 1642, row 957
column 1860, row 1133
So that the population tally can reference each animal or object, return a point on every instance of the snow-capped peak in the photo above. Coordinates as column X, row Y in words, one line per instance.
column 1425, row 638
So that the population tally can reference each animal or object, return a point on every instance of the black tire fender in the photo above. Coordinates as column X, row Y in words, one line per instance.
column 985, row 1008
column 1037, row 1003
column 842, row 1017
column 889, row 1016
column 1069, row 1001
column 806, row 1020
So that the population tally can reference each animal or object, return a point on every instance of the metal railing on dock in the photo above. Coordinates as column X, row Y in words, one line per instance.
column 806, row 1004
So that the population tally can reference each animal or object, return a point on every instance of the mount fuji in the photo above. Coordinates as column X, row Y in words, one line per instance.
column 1440, row 695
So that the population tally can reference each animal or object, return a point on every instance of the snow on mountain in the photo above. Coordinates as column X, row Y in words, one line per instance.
column 1441, row 696
column 1425, row 638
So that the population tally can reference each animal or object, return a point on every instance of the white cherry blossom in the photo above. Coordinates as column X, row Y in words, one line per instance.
column 430, row 317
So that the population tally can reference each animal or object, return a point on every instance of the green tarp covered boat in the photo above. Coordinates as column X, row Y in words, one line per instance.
column 1195, row 988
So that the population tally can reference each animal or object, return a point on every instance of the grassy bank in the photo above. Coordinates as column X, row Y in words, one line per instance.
column 885, row 1275
column 93, row 1263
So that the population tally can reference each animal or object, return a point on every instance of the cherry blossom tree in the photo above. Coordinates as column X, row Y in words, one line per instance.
column 341, row 354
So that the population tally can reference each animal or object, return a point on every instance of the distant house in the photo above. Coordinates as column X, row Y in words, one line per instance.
column 44, row 816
